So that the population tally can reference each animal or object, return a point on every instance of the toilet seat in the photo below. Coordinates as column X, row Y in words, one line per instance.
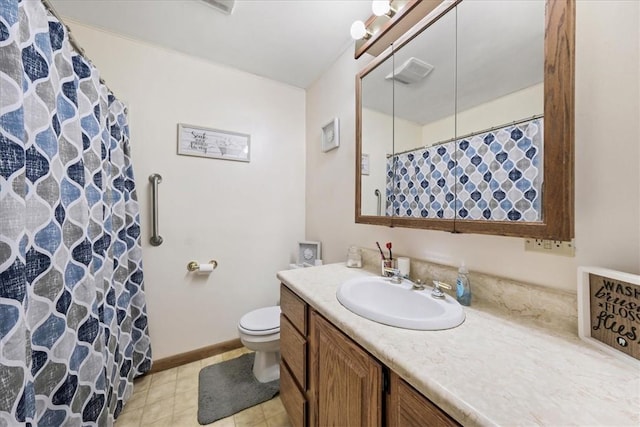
column 263, row 321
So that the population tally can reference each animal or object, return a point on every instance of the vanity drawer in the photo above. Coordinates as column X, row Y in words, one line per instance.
column 294, row 308
column 293, row 349
column 292, row 398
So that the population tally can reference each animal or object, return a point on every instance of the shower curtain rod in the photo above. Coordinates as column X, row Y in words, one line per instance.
column 47, row 4
column 527, row 119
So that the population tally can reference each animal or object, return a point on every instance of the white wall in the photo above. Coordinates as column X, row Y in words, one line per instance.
column 607, row 173
column 247, row 216
column 377, row 130
column 515, row 106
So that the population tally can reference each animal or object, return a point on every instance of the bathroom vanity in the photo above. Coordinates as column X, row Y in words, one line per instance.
column 328, row 379
column 338, row 368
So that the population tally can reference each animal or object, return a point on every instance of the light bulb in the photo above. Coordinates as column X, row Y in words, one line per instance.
column 380, row 7
column 358, row 30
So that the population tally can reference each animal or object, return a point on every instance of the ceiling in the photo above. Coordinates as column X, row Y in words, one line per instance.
column 291, row 41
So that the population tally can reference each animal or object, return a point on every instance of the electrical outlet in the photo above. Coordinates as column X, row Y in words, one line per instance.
column 553, row 247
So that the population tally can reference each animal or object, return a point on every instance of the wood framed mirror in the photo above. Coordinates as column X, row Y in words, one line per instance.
column 466, row 122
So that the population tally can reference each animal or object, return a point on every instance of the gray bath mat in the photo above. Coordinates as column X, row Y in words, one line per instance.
column 229, row 387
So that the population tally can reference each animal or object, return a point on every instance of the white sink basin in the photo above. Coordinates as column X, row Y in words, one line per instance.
column 377, row 299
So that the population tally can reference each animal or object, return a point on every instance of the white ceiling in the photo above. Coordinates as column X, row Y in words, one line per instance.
column 291, row 41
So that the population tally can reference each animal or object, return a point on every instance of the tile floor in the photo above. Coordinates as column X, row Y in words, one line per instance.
column 170, row 398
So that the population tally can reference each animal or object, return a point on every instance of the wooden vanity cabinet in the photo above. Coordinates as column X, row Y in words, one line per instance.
column 326, row 379
column 406, row 407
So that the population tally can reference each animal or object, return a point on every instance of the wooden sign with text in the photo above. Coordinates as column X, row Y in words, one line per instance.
column 613, row 309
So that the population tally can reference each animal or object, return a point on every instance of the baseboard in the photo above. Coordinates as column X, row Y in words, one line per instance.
column 194, row 355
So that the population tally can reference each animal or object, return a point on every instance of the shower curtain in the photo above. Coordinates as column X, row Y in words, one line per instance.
column 73, row 323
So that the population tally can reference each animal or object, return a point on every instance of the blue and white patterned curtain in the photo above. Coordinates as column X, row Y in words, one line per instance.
column 494, row 175
column 73, row 323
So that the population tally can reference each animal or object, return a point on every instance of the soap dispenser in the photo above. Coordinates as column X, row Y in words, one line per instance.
column 463, row 287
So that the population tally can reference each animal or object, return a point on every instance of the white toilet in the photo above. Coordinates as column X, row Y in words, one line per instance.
column 260, row 331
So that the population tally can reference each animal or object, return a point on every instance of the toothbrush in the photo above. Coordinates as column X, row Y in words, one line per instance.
column 389, row 247
column 380, row 249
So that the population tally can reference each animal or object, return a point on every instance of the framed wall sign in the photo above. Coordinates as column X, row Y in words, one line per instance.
column 213, row 143
column 309, row 253
column 609, row 310
column 331, row 135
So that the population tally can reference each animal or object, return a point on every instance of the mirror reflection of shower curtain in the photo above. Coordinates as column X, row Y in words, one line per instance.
column 499, row 173
column 73, row 322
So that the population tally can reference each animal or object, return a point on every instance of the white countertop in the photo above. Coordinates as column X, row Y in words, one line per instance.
column 492, row 369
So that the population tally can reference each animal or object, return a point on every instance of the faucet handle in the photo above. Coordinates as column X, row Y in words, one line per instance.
column 393, row 272
column 395, row 275
column 442, row 285
column 437, row 289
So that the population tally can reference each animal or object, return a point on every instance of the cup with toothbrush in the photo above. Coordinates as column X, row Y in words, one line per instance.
column 386, row 263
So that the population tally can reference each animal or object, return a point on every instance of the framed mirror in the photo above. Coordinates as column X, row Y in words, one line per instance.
column 467, row 122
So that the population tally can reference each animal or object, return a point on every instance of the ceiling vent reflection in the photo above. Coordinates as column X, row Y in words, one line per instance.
column 411, row 71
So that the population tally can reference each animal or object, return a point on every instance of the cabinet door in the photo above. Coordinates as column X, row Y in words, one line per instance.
column 408, row 408
column 346, row 381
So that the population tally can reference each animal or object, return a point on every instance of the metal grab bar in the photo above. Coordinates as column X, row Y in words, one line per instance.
column 379, row 206
column 155, row 179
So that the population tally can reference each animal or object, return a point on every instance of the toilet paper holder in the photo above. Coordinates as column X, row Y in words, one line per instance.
column 195, row 265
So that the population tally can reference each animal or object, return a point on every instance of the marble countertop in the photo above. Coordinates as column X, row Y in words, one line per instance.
column 492, row 369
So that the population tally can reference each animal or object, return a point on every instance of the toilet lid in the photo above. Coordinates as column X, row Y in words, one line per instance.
column 265, row 319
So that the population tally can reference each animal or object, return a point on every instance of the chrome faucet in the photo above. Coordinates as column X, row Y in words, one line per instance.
column 395, row 275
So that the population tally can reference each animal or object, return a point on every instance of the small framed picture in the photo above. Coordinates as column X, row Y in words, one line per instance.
column 331, row 135
column 309, row 253
column 364, row 164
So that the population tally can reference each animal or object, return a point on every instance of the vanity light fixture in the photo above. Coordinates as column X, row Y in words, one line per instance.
column 382, row 7
column 383, row 11
column 360, row 31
